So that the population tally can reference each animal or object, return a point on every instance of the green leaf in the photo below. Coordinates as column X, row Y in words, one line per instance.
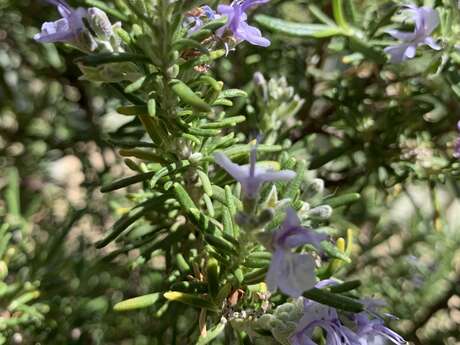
column 184, row 198
column 298, row 29
column 184, row 43
column 334, row 300
column 212, row 273
column 136, row 85
column 345, row 287
column 294, row 186
column 227, row 122
column 339, row 16
column 137, row 302
column 188, row 96
column 125, row 182
column 192, row 300
column 205, row 182
column 133, row 110
column 342, row 200
column 211, row 334
column 12, row 193
column 237, row 151
column 334, row 252
column 130, row 218
column 255, row 276
column 233, row 93
column 221, row 244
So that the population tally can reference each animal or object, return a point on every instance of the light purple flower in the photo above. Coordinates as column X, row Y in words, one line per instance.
column 370, row 330
column 318, row 315
column 251, row 177
column 67, row 29
column 426, row 20
column 457, row 144
column 292, row 273
column 197, row 19
column 236, row 23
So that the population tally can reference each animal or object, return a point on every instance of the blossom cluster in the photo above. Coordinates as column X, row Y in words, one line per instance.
column 86, row 29
column 359, row 329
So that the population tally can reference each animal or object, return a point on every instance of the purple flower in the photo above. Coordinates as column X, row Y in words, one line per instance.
column 426, row 20
column 457, row 144
column 196, row 17
column 369, row 330
column 67, row 29
column 251, row 176
column 292, row 273
column 236, row 23
column 318, row 315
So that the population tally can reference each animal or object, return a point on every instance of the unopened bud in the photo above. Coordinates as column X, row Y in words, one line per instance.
column 196, row 157
column 100, row 23
column 259, row 79
column 315, row 188
column 322, row 212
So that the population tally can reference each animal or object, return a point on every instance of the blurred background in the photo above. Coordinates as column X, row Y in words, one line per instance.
column 57, row 288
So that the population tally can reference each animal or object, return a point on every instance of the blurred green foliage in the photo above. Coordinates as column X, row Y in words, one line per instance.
column 379, row 130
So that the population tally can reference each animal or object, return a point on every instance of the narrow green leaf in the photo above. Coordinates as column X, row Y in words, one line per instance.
column 339, row 16
column 183, row 197
column 334, row 300
column 211, row 334
column 188, row 96
column 127, row 181
column 334, row 252
column 133, row 110
column 205, row 182
column 189, row 299
column 12, row 193
column 294, row 186
column 228, row 122
column 136, row 85
column 221, row 244
column 345, row 287
column 342, row 200
column 298, row 29
column 185, row 43
column 233, row 93
column 212, row 273
column 137, row 302
column 130, row 218
column 255, row 276
column 182, row 264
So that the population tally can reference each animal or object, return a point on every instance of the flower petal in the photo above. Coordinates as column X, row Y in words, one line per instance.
column 251, row 34
column 297, row 274
column 401, row 35
column 236, row 171
column 397, row 52
column 430, row 42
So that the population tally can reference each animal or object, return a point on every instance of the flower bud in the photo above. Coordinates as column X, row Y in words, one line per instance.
column 315, row 188
column 322, row 212
column 100, row 23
